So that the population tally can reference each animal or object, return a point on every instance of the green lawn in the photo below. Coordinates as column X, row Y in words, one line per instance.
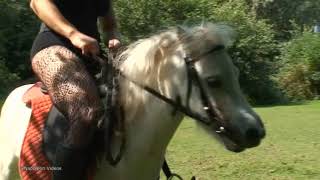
column 291, row 149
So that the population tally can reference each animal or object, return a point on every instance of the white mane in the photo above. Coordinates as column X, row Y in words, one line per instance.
column 143, row 56
column 142, row 61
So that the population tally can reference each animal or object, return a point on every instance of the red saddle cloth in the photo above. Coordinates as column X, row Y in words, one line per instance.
column 33, row 165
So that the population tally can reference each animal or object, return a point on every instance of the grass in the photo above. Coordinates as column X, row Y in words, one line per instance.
column 290, row 151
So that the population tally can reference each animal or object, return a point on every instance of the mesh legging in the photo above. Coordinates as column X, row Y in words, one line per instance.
column 72, row 90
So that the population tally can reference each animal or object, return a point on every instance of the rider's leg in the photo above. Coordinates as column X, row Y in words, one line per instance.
column 74, row 93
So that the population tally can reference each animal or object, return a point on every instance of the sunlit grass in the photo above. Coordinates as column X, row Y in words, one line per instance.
column 291, row 149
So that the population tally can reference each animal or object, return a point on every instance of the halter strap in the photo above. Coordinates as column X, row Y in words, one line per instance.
column 197, row 58
column 193, row 76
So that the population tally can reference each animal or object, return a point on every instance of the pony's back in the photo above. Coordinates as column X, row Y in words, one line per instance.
column 14, row 119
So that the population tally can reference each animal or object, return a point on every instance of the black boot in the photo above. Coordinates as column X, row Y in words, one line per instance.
column 73, row 163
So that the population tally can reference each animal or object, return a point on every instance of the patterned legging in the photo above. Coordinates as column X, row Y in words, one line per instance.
column 72, row 90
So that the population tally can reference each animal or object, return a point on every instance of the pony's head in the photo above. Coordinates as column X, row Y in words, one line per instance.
column 192, row 67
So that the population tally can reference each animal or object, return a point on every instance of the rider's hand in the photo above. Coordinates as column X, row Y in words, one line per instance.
column 114, row 44
column 87, row 45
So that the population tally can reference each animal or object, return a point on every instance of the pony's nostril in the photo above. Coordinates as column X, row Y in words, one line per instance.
column 253, row 134
column 262, row 133
column 253, row 137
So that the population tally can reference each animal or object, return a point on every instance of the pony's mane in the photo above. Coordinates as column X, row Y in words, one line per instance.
column 144, row 55
column 143, row 60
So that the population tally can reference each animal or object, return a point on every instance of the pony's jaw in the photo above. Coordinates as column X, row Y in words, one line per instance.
column 223, row 139
column 230, row 145
column 234, row 142
column 246, row 132
column 238, row 126
column 242, row 127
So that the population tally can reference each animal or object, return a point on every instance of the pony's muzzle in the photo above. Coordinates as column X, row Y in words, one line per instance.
column 254, row 134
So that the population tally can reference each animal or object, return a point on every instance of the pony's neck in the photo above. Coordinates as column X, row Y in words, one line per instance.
column 158, row 75
column 150, row 122
column 150, row 125
column 148, row 62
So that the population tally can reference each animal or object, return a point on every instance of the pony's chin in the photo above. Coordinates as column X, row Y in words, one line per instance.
column 231, row 146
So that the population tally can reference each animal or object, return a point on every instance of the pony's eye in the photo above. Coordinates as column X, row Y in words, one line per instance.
column 214, row 82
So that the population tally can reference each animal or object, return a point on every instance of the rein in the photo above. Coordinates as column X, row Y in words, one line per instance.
column 114, row 115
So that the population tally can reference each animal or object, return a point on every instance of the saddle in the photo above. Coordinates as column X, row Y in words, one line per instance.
column 53, row 124
column 48, row 125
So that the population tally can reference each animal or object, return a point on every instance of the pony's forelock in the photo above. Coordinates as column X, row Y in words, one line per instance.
column 144, row 55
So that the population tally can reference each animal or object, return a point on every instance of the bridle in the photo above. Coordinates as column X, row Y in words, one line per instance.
column 193, row 78
column 212, row 112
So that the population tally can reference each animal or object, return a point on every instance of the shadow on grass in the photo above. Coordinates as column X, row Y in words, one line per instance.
column 297, row 103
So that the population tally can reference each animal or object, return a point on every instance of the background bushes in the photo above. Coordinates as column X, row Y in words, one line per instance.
column 299, row 74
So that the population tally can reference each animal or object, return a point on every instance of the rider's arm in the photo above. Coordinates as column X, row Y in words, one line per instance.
column 48, row 12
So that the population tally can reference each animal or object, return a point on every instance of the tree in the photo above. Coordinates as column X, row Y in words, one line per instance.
column 6, row 78
column 284, row 14
column 299, row 74
column 17, row 30
column 254, row 52
column 141, row 17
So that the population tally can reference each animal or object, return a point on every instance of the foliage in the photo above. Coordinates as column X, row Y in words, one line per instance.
column 7, row 79
column 299, row 75
column 18, row 27
column 140, row 18
column 285, row 14
column 254, row 49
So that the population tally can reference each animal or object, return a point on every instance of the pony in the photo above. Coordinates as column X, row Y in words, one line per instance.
column 183, row 70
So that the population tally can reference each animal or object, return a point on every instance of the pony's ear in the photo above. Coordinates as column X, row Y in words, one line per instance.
column 181, row 30
column 183, row 34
